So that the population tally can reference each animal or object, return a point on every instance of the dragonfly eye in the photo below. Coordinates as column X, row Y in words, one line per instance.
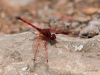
column 53, row 37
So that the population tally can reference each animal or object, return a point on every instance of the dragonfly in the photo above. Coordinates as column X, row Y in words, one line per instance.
column 46, row 35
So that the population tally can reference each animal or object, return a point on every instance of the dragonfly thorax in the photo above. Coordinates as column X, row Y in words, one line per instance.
column 48, row 34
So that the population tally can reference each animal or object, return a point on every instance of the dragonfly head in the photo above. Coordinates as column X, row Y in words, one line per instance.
column 53, row 37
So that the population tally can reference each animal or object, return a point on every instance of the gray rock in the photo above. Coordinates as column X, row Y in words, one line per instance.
column 82, row 19
column 74, row 25
column 91, row 30
column 95, row 23
column 69, row 56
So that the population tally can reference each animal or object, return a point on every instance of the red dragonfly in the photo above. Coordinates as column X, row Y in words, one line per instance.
column 46, row 35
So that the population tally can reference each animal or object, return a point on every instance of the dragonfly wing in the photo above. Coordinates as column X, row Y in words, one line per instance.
column 58, row 31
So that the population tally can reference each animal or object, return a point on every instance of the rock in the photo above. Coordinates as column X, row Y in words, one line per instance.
column 75, row 25
column 77, row 30
column 54, row 19
column 69, row 56
column 58, row 15
column 90, row 10
column 91, row 30
column 95, row 23
column 95, row 16
column 98, row 11
column 70, row 11
column 82, row 19
column 67, row 19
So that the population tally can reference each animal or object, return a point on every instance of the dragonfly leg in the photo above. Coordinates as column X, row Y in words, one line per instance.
column 38, row 43
column 37, row 37
column 45, row 44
